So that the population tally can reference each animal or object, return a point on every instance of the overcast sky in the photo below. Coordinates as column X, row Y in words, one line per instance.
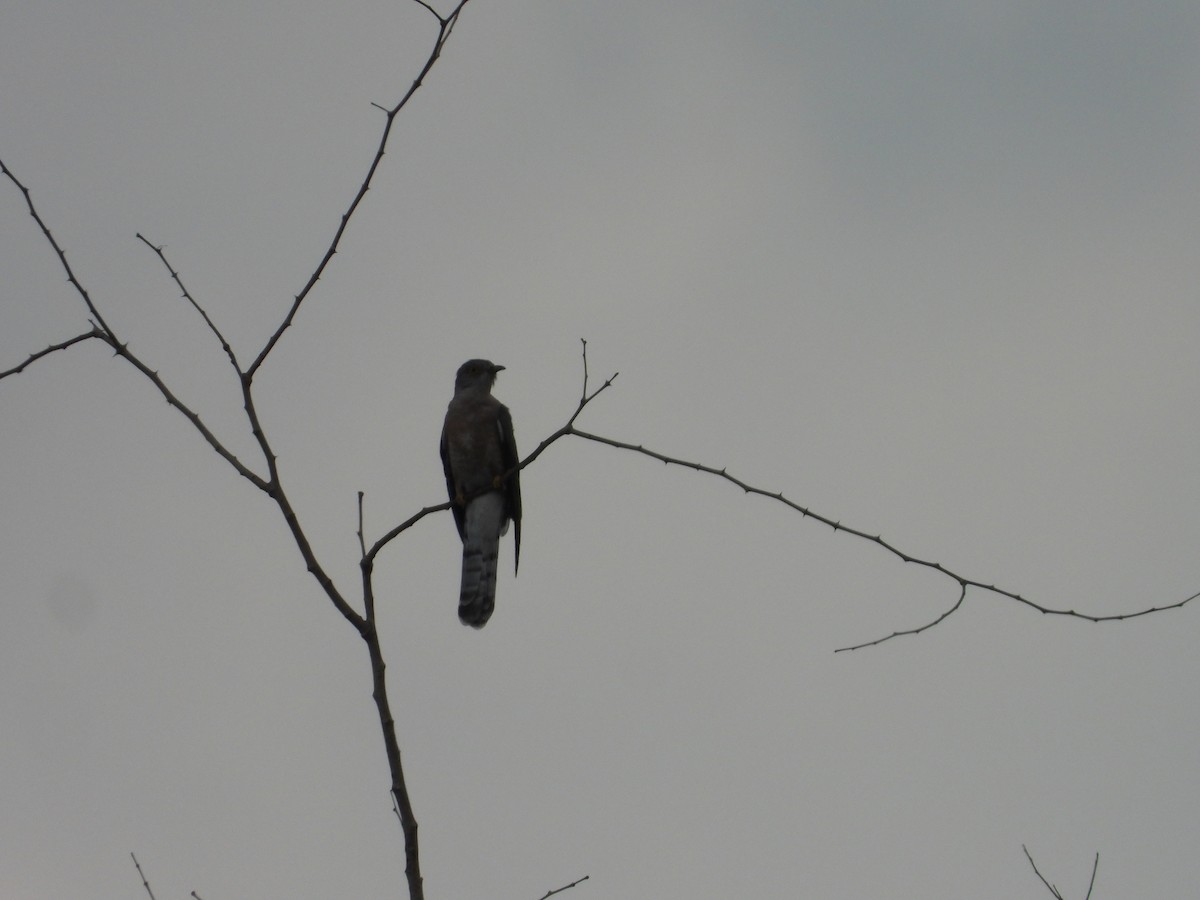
column 927, row 268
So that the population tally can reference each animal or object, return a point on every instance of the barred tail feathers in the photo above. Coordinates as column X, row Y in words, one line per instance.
column 484, row 523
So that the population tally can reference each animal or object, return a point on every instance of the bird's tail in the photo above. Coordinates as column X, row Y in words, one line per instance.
column 483, row 526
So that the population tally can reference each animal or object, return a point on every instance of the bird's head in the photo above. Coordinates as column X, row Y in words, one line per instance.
column 476, row 374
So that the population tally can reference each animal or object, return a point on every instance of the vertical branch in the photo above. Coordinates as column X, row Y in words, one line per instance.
column 401, row 802
column 399, row 789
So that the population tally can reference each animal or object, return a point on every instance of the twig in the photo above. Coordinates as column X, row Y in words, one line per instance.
column 962, row 595
column 53, row 348
column 1092, row 883
column 563, row 888
column 145, row 883
column 62, row 256
column 585, row 371
column 361, row 540
column 190, row 299
column 1051, row 888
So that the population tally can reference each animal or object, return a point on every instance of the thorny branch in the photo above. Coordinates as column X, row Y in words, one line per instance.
column 190, row 299
column 34, row 357
column 145, row 883
column 963, row 581
column 564, row 887
column 97, row 319
column 445, row 28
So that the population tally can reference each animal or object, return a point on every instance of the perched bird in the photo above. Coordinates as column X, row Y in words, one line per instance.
column 479, row 456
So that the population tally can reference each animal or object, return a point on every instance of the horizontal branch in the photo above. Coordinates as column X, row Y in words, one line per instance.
column 565, row 887
column 877, row 539
column 53, row 348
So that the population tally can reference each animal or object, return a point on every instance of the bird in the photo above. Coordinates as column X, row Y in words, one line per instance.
column 479, row 457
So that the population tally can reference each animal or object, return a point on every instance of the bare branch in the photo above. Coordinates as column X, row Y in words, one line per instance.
column 963, row 582
column 362, row 544
column 145, row 883
column 270, row 485
column 1054, row 890
column 404, row 526
column 445, row 27
column 962, row 595
column 190, row 299
column 102, row 330
column 583, row 393
column 241, row 468
column 62, row 256
column 1051, row 888
column 53, row 348
column 432, row 11
column 565, row 887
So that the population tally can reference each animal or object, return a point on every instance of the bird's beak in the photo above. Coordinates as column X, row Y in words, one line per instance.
column 496, row 369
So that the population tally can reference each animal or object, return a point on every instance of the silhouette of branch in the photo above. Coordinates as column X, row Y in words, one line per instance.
column 1054, row 890
column 962, row 595
column 62, row 257
column 33, row 357
column 876, row 539
column 445, row 28
column 103, row 331
column 190, row 299
column 565, row 887
column 145, row 883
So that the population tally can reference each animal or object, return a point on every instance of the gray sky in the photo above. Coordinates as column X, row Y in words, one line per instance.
column 928, row 268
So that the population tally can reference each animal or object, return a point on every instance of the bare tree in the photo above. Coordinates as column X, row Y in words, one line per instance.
column 358, row 608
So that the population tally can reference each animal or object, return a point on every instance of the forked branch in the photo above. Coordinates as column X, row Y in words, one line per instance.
column 1054, row 890
column 963, row 582
column 445, row 28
